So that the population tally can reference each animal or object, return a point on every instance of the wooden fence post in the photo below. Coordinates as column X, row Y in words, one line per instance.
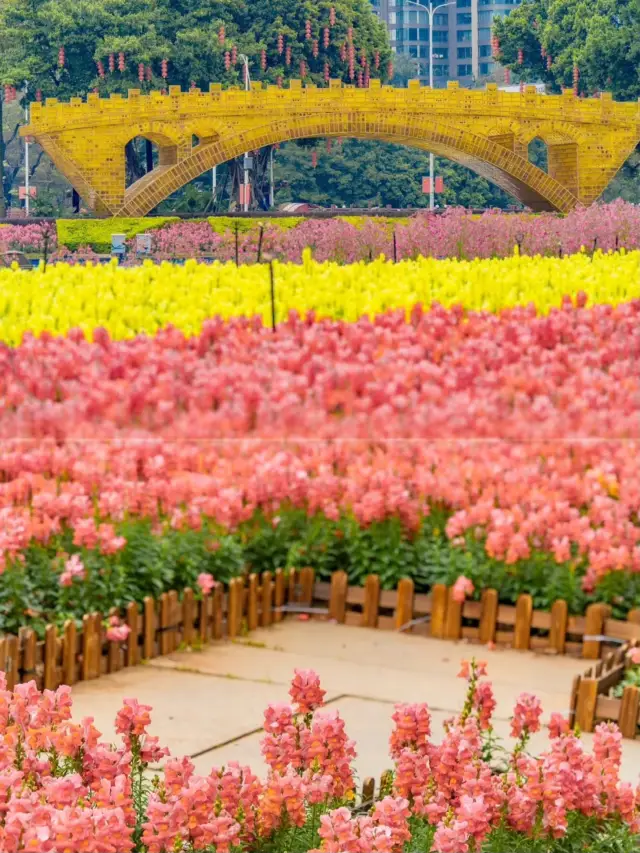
column 278, row 615
column 558, row 630
column 488, row 616
column 28, row 652
column 252, row 603
column 218, row 616
column 453, row 630
column 69, row 649
column 133, row 621
column 204, row 623
column 174, row 619
column 586, row 706
column 369, row 784
column 593, row 626
column 188, row 612
column 50, row 643
column 3, row 654
column 267, row 599
column 234, row 594
column 13, row 661
column 522, row 628
column 165, row 619
column 573, row 702
column 371, row 603
column 113, row 649
column 149, row 628
column 629, row 708
column 307, row 583
column 404, row 606
column 338, row 596
column 439, row 598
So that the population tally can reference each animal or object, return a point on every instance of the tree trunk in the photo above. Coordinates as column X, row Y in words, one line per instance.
column 3, row 206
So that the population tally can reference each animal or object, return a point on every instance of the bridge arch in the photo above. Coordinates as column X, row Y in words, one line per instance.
column 490, row 159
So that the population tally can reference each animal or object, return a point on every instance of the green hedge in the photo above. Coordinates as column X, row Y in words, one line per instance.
column 96, row 233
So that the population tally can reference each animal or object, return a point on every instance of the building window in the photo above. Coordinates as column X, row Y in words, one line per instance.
column 412, row 34
column 464, row 71
column 486, row 68
column 484, row 33
column 485, row 18
column 464, row 35
column 413, row 51
column 464, row 53
column 440, row 20
column 441, row 36
column 441, row 53
column 485, row 50
column 440, row 70
column 463, row 4
column 463, row 19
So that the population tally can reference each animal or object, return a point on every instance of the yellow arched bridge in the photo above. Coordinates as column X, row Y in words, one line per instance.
column 488, row 130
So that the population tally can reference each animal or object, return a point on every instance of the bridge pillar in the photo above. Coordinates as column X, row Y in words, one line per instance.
column 563, row 165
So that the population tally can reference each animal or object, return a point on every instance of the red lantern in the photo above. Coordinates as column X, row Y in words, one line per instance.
column 61, row 58
column 234, row 55
column 141, row 72
column 303, row 69
column 350, row 35
column 164, row 68
column 543, row 51
column 390, row 70
column 314, row 158
column 287, row 56
column 363, row 58
column 227, row 61
column 193, row 85
column 360, row 79
column 549, row 63
column 366, row 78
column 221, row 35
column 327, row 72
column 328, row 146
column 148, row 74
column 332, row 16
column 316, row 49
column 507, row 76
column 121, row 64
column 100, row 67
column 112, row 63
column 326, row 38
column 576, row 79
column 39, row 95
column 307, row 30
column 263, row 59
column 343, row 52
column 280, row 44
column 520, row 57
column 376, row 59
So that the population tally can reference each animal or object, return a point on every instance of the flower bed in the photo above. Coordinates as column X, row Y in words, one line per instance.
column 64, row 789
column 502, row 448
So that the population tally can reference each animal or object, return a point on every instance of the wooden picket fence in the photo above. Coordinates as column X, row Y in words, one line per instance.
column 163, row 626
column 590, row 700
column 437, row 614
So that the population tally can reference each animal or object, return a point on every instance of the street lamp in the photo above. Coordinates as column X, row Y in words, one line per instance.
column 247, row 87
column 430, row 10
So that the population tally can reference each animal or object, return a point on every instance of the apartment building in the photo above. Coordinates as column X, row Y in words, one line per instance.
column 461, row 36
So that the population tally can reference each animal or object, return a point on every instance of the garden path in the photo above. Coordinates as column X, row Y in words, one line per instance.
column 209, row 704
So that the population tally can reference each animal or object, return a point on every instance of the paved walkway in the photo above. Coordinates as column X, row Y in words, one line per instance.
column 209, row 704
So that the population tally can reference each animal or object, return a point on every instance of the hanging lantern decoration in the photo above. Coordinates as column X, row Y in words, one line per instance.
column 543, row 51
column 112, row 63
column 280, row 44
column 507, row 76
column 326, row 39
column 287, row 56
column 121, row 64
column 328, row 146
column 227, row 61
column 141, row 72
column 390, row 70
column 39, row 95
column 100, row 68
column 315, row 49
column 164, row 68
column 576, row 79
column 350, row 35
column 367, row 78
column 549, row 62
column 360, row 80
column 193, row 85
column 363, row 58
column 234, row 55
column 221, row 35
column 495, row 46
column 279, row 81
column 376, row 59
column 61, row 58
column 332, row 16
column 148, row 75
column 303, row 69
column 327, row 72
column 352, row 61
column 263, row 59
column 314, row 159
column 307, row 30
column 520, row 56
column 343, row 52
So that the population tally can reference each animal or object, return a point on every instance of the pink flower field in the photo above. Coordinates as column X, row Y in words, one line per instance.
column 499, row 447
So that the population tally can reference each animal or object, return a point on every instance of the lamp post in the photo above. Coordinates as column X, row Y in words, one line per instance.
column 430, row 10
column 27, row 208
column 247, row 87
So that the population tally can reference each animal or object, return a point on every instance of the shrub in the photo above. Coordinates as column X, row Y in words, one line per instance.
column 96, row 233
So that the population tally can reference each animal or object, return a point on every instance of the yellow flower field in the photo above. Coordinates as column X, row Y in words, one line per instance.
column 128, row 301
